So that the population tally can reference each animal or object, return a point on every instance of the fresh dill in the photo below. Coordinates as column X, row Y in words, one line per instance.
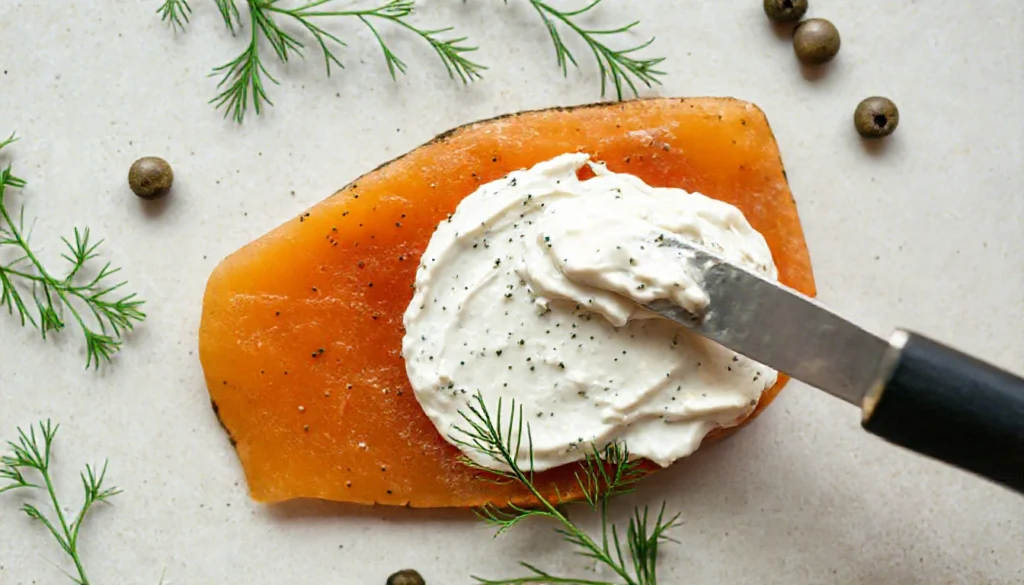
column 103, row 313
column 175, row 13
column 28, row 467
column 632, row 556
column 619, row 67
column 243, row 80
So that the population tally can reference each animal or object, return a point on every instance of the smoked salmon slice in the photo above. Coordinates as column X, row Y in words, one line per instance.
column 301, row 329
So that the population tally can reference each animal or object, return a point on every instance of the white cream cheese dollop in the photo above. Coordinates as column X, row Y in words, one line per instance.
column 532, row 291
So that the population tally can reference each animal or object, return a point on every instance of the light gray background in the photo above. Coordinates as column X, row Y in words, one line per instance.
column 924, row 231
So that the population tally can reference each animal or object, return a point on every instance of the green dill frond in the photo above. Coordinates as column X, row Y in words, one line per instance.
column 229, row 12
column 44, row 301
column 30, row 455
column 619, row 67
column 175, row 13
column 604, row 473
column 242, row 79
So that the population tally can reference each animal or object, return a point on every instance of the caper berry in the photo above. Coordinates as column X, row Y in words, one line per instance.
column 150, row 177
column 876, row 117
column 785, row 10
column 816, row 41
column 406, row 577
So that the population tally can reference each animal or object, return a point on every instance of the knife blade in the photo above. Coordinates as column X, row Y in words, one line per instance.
column 778, row 326
column 913, row 392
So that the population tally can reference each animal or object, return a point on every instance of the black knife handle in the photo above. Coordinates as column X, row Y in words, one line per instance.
column 952, row 407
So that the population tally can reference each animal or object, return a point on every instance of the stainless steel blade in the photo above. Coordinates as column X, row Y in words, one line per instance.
column 777, row 326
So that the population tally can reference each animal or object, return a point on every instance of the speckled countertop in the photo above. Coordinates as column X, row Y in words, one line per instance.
column 923, row 231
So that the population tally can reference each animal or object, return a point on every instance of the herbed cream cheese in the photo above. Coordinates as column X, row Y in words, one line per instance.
column 532, row 291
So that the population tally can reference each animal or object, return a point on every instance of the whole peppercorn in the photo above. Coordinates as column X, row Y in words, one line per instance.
column 876, row 117
column 406, row 577
column 785, row 10
column 816, row 41
column 150, row 177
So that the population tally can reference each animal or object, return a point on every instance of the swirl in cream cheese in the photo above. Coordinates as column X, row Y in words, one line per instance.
column 533, row 290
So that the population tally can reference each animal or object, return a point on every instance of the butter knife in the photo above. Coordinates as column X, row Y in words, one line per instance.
column 912, row 391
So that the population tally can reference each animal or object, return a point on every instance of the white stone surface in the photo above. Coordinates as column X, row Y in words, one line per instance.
column 923, row 230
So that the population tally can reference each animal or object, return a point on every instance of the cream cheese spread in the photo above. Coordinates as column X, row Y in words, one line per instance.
column 533, row 290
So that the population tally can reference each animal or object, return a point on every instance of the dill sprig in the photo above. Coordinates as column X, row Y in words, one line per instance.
column 107, row 314
column 242, row 80
column 229, row 12
column 605, row 473
column 618, row 66
column 175, row 13
column 30, row 458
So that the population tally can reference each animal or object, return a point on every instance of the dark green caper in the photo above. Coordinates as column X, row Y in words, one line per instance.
column 150, row 177
column 785, row 10
column 406, row 577
column 876, row 117
column 816, row 41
